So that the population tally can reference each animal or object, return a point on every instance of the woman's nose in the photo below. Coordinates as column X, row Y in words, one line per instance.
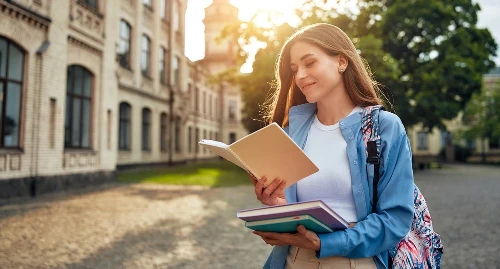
column 301, row 74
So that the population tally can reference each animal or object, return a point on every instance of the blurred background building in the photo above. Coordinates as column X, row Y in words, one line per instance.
column 449, row 146
column 89, row 86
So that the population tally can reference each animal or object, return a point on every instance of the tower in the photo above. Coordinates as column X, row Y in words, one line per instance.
column 219, row 55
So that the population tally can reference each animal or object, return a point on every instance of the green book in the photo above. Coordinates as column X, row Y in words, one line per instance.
column 289, row 224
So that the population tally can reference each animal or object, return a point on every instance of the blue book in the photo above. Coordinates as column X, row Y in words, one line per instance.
column 289, row 224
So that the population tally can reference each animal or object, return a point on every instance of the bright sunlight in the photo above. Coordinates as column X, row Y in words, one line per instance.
column 266, row 12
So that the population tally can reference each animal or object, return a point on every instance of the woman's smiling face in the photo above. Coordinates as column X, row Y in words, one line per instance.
column 316, row 73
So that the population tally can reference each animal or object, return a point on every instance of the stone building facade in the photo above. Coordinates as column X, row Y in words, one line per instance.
column 89, row 86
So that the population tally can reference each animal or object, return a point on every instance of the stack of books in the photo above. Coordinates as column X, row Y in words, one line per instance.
column 314, row 215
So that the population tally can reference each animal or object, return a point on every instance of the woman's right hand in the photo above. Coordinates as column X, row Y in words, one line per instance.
column 269, row 194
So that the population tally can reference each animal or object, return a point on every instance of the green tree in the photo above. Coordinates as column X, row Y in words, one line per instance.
column 257, row 85
column 441, row 54
column 482, row 116
column 430, row 60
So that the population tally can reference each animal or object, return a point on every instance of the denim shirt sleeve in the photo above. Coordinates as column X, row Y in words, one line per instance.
column 382, row 230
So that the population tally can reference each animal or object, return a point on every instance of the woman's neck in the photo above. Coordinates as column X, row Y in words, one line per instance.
column 334, row 107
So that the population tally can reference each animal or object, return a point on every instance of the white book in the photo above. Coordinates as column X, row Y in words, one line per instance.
column 268, row 152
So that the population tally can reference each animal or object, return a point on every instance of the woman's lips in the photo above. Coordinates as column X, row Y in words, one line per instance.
column 307, row 86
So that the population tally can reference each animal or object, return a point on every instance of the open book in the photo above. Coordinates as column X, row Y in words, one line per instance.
column 267, row 152
column 281, row 214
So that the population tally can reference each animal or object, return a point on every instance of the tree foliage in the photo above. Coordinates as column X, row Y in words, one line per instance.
column 441, row 54
column 482, row 115
column 431, row 59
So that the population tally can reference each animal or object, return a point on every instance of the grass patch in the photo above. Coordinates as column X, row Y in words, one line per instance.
column 214, row 174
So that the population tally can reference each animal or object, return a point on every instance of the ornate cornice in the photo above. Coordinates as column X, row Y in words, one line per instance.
column 17, row 11
column 84, row 45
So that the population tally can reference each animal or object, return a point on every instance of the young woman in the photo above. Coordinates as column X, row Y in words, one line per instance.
column 323, row 86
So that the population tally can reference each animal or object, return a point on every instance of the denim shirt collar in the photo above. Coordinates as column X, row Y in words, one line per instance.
column 299, row 114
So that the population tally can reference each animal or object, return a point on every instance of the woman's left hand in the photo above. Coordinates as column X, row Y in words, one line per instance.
column 303, row 238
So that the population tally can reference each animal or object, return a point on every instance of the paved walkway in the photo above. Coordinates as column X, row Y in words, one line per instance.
column 158, row 226
column 132, row 226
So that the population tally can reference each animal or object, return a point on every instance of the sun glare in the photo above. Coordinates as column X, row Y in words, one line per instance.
column 268, row 12
column 265, row 13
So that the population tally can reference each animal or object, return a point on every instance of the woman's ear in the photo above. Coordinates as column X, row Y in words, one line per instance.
column 343, row 63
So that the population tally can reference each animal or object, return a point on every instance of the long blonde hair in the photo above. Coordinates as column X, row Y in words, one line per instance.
column 361, row 87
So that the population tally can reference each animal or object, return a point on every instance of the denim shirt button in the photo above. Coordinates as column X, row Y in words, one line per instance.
column 341, row 123
column 355, row 162
column 359, row 192
column 351, row 138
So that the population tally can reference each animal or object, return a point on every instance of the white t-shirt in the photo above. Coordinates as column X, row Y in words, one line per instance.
column 326, row 147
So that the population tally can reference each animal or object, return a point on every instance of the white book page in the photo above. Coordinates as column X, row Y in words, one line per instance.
column 222, row 150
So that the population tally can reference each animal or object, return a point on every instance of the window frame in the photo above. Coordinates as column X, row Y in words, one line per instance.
column 176, row 65
column 121, row 127
column 163, row 10
column 89, row 5
column 4, row 82
column 177, row 130
column 190, row 139
column 146, row 129
column 69, row 114
column 424, row 138
column 162, row 64
column 128, row 42
column 232, row 106
column 147, row 71
column 163, row 132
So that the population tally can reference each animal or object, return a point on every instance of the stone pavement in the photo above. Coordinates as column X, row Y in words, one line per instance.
column 132, row 226
column 159, row 226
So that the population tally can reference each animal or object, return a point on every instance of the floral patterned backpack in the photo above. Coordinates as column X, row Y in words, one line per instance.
column 421, row 247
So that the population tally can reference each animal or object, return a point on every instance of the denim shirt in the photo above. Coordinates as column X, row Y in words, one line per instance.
column 375, row 233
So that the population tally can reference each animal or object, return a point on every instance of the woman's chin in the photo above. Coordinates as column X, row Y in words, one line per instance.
column 311, row 99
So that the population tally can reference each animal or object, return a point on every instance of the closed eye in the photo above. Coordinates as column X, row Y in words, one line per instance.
column 310, row 64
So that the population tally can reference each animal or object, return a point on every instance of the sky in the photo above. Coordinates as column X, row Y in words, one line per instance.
column 487, row 18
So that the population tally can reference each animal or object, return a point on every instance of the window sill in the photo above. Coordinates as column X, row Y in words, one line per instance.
column 128, row 68
column 77, row 150
column 11, row 151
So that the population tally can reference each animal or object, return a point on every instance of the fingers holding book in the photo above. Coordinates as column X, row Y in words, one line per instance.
column 252, row 178
column 270, row 194
column 302, row 238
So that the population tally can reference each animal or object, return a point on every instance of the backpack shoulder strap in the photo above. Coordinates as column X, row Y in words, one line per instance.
column 371, row 137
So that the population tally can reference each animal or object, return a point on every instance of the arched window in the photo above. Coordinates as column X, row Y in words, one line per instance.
column 79, row 89
column 163, row 132
column 124, row 127
column 145, row 55
column 11, row 85
column 146, row 129
column 123, row 51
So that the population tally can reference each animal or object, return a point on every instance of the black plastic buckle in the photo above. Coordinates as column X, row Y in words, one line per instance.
column 373, row 160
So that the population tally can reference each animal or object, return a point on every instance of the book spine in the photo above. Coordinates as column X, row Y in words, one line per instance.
column 244, row 164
